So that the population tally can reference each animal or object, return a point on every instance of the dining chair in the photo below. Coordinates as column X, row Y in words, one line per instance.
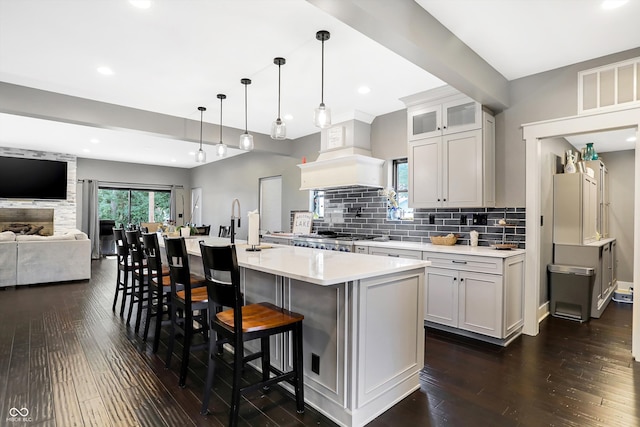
column 203, row 230
column 188, row 304
column 243, row 323
column 224, row 231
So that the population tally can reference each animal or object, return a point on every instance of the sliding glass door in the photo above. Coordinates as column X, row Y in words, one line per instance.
column 133, row 206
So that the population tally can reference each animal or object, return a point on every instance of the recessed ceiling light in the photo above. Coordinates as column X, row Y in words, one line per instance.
column 105, row 71
column 173, row 160
column 94, row 141
column 288, row 117
column 363, row 90
column 631, row 139
column 192, row 153
column 613, row 4
column 141, row 4
column 86, row 150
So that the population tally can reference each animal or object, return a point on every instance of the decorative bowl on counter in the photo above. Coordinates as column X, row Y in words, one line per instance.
column 448, row 240
column 504, row 246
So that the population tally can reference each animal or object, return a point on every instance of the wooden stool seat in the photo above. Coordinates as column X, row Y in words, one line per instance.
column 196, row 281
column 197, row 295
column 261, row 316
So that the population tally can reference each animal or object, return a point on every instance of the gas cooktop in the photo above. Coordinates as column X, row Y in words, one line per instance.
column 329, row 240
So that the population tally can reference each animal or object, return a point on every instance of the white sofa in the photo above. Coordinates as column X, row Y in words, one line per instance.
column 27, row 259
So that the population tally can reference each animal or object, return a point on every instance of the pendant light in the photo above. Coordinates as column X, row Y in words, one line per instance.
column 201, row 155
column 246, row 140
column 221, row 148
column 322, row 114
column 278, row 127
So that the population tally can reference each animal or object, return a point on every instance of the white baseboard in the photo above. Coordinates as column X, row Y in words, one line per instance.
column 543, row 311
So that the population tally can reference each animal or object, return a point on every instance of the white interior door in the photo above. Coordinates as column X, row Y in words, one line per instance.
column 196, row 206
column 271, row 204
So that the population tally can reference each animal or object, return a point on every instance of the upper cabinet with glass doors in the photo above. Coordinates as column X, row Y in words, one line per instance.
column 435, row 119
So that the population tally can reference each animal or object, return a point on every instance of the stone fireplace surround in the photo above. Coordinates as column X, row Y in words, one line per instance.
column 64, row 211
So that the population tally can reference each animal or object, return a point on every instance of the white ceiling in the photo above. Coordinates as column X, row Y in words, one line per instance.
column 177, row 55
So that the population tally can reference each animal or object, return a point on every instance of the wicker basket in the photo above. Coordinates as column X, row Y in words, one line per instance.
column 444, row 240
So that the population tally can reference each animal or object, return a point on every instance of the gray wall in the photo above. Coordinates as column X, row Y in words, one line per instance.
column 543, row 96
column 238, row 177
column 389, row 135
column 621, row 167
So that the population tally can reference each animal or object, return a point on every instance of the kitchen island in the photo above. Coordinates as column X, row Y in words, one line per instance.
column 363, row 326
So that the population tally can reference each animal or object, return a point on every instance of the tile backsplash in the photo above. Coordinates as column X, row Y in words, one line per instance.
column 364, row 212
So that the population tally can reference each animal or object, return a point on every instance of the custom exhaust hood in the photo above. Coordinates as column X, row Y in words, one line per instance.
column 345, row 160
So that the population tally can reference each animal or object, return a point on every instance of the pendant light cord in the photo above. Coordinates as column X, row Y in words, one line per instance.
column 201, row 112
column 220, row 120
column 322, row 77
column 245, row 110
column 279, row 91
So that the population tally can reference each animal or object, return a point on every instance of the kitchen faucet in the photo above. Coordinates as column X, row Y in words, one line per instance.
column 234, row 217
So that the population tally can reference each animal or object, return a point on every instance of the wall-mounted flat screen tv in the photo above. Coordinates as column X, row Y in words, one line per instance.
column 22, row 178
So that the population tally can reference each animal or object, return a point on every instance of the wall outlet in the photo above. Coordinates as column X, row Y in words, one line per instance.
column 463, row 219
column 432, row 219
column 479, row 219
column 315, row 363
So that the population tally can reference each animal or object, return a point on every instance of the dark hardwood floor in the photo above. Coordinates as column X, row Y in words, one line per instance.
column 67, row 359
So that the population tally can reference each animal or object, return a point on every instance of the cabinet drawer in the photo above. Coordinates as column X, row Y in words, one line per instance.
column 465, row 262
column 397, row 253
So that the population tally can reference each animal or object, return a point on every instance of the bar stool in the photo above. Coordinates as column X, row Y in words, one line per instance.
column 125, row 268
column 140, row 282
column 190, row 302
column 245, row 323
column 159, row 289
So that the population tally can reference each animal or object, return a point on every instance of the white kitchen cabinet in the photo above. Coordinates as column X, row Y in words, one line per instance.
column 448, row 115
column 396, row 253
column 600, row 255
column 361, row 249
column 575, row 206
column 454, row 170
column 476, row 294
column 441, row 296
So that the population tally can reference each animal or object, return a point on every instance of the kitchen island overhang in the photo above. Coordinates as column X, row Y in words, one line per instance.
column 363, row 327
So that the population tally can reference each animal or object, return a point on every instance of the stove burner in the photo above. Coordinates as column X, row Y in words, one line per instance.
column 326, row 240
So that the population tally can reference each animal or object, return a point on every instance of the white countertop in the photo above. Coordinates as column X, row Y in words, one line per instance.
column 454, row 249
column 596, row 244
column 317, row 266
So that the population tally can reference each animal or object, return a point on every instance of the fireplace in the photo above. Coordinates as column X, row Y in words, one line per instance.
column 27, row 221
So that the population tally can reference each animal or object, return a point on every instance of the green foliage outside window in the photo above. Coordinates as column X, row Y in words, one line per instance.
column 401, row 185
column 127, row 206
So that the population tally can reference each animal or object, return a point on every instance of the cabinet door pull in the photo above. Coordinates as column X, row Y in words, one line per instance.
column 458, row 262
column 394, row 255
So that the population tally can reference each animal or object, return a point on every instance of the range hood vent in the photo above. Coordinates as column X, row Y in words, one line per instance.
column 345, row 160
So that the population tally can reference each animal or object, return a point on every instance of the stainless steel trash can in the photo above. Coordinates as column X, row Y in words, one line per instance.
column 571, row 289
